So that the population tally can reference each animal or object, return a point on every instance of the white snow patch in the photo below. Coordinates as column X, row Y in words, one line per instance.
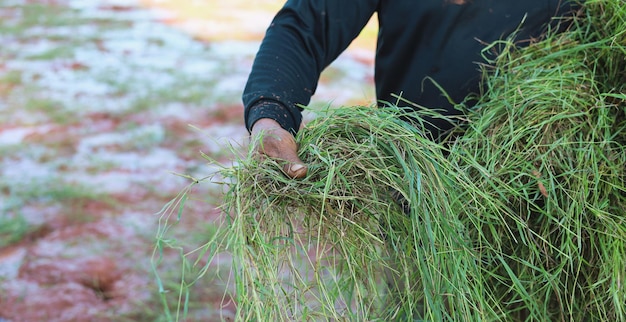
column 231, row 85
column 223, row 137
column 235, row 49
column 77, row 31
column 104, row 182
column 26, row 171
column 144, row 135
column 14, row 136
column 135, row 161
column 10, row 262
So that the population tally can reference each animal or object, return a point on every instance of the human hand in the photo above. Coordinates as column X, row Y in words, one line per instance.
column 271, row 140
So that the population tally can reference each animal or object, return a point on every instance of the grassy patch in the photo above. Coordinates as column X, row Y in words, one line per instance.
column 183, row 89
column 9, row 81
column 50, row 189
column 89, row 82
column 12, row 229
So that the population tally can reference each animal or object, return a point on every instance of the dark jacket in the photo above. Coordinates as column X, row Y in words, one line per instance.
column 418, row 40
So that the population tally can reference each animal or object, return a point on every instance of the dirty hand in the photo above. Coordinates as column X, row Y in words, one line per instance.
column 272, row 140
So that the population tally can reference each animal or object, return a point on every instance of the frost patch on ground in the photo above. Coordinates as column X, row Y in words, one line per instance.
column 12, row 136
column 106, row 114
column 11, row 260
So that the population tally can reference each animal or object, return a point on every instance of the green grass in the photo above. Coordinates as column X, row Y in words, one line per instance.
column 31, row 15
column 521, row 218
column 52, row 189
column 11, row 78
column 336, row 213
column 545, row 137
column 12, row 229
column 184, row 89
column 183, row 290
column 15, row 227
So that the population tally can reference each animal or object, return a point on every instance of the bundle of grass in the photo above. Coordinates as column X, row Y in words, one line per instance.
column 547, row 139
column 337, row 245
column 521, row 219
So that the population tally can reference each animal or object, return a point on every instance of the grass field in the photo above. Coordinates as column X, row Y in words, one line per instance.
column 100, row 103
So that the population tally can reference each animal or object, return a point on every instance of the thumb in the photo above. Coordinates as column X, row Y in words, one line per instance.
column 294, row 167
column 275, row 142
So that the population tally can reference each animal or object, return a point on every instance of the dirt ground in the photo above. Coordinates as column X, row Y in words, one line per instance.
column 101, row 103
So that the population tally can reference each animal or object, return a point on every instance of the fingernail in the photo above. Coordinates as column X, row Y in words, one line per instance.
column 296, row 169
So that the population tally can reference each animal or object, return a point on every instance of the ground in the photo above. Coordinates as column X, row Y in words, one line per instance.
column 102, row 104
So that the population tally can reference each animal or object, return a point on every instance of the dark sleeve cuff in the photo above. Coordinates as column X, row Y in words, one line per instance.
column 272, row 110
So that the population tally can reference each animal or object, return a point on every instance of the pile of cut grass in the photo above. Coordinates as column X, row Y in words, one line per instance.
column 521, row 218
column 325, row 247
column 547, row 138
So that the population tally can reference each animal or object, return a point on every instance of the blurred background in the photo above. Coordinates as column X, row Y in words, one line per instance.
column 102, row 104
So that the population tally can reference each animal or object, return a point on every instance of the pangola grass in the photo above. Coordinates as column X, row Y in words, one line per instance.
column 520, row 218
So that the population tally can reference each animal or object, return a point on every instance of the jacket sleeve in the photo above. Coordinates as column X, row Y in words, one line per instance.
column 303, row 39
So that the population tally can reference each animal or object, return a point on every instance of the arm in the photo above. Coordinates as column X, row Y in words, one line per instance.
column 303, row 39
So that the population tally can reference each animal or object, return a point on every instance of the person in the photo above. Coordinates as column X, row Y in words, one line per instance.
column 418, row 40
